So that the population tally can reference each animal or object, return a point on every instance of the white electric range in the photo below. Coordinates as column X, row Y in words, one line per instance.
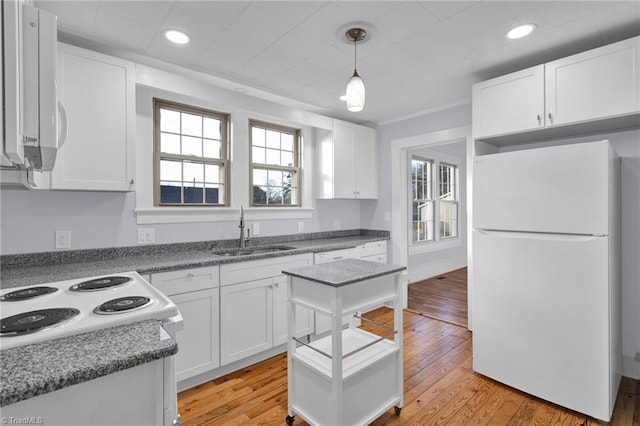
column 38, row 313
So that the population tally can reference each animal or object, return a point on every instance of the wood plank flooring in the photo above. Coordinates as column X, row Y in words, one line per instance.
column 443, row 297
column 439, row 384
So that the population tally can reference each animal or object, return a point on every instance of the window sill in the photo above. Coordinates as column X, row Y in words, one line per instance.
column 434, row 246
column 217, row 214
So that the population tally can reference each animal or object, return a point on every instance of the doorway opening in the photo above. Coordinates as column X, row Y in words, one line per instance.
column 443, row 297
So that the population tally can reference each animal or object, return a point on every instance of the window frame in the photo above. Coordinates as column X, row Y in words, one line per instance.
column 223, row 161
column 296, row 168
column 436, row 160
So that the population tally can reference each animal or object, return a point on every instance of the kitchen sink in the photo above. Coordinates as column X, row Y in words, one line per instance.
column 250, row 250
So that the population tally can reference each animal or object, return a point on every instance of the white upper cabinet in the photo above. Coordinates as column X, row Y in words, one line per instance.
column 594, row 90
column 511, row 103
column 347, row 162
column 98, row 92
column 596, row 84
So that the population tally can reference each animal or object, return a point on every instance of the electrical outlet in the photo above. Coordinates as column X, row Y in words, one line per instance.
column 300, row 227
column 336, row 224
column 63, row 240
column 638, row 356
column 387, row 216
column 146, row 235
column 256, row 228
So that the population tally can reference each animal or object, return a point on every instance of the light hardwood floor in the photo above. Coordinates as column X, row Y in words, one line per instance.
column 443, row 297
column 440, row 389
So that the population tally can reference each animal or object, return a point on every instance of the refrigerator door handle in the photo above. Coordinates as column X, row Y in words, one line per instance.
column 540, row 235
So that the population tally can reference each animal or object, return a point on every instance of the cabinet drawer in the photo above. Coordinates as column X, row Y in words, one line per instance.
column 186, row 280
column 233, row 273
column 380, row 258
column 330, row 256
column 373, row 248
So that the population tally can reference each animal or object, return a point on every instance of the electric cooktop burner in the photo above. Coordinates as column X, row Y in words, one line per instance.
column 27, row 293
column 122, row 304
column 32, row 321
column 100, row 283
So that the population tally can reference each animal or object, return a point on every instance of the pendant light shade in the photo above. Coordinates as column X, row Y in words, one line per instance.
column 355, row 93
column 355, row 87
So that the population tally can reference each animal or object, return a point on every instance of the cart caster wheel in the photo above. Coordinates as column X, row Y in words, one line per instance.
column 290, row 419
column 397, row 410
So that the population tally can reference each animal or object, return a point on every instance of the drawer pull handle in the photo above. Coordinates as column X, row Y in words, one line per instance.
column 337, row 257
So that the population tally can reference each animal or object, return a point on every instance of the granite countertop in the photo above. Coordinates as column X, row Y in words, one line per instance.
column 40, row 268
column 343, row 272
column 32, row 370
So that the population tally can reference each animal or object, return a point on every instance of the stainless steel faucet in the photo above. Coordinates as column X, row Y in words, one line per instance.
column 243, row 240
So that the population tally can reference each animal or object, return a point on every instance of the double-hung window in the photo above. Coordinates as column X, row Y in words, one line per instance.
column 274, row 166
column 190, row 156
column 434, row 200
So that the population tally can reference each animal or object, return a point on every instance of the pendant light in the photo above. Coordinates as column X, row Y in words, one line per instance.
column 355, row 87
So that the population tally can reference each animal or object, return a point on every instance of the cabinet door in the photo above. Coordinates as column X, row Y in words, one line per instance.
column 303, row 315
column 199, row 340
column 344, row 166
column 600, row 83
column 97, row 92
column 366, row 162
column 245, row 319
column 510, row 103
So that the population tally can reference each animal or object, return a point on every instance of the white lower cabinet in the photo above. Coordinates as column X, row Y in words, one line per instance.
column 246, row 319
column 196, row 293
column 253, row 297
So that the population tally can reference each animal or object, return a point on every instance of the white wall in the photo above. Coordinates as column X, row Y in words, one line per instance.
column 108, row 219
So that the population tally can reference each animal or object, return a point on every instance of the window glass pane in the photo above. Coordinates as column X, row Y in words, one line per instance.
column 191, row 124
column 447, row 182
column 212, row 194
column 273, row 156
column 260, row 194
column 259, row 177
column 212, row 148
column 275, row 195
column 273, row 139
column 170, row 192
column 212, row 173
column 287, row 158
column 258, row 155
column 171, row 170
column 193, row 193
column 193, row 172
column 257, row 136
column 211, row 128
column 275, row 178
column 191, row 146
column 169, row 121
column 169, row 143
column 287, row 141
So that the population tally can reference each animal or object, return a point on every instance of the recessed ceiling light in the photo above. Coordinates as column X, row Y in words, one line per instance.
column 521, row 31
column 177, row 37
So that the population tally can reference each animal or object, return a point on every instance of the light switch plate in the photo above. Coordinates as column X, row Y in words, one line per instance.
column 256, row 228
column 146, row 235
column 300, row 227
column 63, row 240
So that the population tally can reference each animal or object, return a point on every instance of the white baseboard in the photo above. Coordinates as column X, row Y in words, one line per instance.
column 432, row 269
column 630, row 367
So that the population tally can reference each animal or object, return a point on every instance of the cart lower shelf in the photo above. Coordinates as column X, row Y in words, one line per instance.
column 369, row 384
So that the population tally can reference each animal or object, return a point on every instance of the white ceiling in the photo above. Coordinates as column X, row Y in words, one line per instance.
column 419, row 56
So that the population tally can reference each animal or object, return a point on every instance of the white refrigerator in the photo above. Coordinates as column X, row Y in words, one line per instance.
column 546, row 273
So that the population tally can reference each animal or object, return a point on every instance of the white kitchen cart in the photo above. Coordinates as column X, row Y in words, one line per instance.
column 351, row 376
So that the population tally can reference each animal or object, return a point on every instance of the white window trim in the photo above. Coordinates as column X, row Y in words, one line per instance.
column 181, row 215
column 438, row 243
